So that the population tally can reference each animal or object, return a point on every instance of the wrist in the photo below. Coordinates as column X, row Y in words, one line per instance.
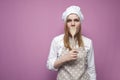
column 62, row 60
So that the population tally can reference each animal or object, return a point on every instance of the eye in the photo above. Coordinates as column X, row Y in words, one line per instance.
column 69, row 20
column 77, row 20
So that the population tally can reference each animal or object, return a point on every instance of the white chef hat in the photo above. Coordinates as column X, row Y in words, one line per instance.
column 75, row 10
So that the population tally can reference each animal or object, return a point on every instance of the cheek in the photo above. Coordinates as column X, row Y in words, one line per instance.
column 68, row 28
column 78, row 27
column 68, row 24
column 77, row 24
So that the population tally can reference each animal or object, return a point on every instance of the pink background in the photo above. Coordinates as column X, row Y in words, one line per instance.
column 28, row 26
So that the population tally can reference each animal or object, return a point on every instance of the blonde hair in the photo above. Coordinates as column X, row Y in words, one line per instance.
column 78, row 37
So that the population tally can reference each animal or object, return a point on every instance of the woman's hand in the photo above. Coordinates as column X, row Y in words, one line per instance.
column 72, row 55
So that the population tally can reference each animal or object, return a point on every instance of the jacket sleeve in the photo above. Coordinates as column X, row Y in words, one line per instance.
column 91, row 64
column 52, row 56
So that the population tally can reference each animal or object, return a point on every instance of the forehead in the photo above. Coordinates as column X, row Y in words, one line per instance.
column 73, row 16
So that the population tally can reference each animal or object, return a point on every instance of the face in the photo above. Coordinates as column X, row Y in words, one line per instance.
column 73, row 21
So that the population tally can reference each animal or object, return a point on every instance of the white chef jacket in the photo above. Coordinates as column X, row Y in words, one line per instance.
column 58, row 44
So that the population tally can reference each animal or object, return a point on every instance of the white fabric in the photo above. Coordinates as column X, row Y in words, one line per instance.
column 56, row 47
column 75, row 10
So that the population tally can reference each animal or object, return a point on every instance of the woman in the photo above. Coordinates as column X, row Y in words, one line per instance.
column 71, row 53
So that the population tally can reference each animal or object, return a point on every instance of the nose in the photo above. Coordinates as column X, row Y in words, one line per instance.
column 72, row 23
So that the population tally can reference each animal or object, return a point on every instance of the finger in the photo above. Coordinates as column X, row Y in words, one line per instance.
column 74, row 53
column 74, row 58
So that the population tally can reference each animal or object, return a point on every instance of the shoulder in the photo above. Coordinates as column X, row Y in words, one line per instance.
column 87, row 41
column 58, row 38
column 58, row 41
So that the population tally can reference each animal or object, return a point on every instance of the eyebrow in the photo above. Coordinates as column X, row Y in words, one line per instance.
column 69, row 19
column 76, row 19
